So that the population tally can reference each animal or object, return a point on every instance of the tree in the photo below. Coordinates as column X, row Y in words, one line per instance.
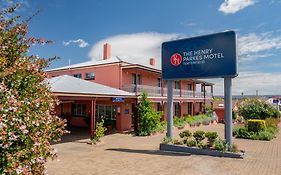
column 147, row 118
column 257, row 109
column 27, row 119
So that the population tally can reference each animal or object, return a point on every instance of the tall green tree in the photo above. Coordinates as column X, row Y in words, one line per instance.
column 27, row 119
column 147, row 118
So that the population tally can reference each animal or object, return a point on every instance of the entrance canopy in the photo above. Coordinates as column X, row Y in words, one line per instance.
column 81, row 99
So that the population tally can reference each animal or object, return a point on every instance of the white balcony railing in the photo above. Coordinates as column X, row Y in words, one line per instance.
column 151, row 90
column 187, row 93
column 157, row 91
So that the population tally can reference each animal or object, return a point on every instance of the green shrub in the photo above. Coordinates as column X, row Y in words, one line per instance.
column 265, row 135
column 196, row 120
column 166, row 140
column 234, row 115
column 254, row 136
column 199, row 136
column 221, row 145
column 179, row 122
column 160, row 127
column 211, row 136
column 147, row 118
column 191, row 143
column 256, row 125
column 257, row 109
column 100, row 131
column 271, row 122
column 180, row 125
column 185, row 134
column 177, row 142
column 209, row 111
column 143, row 133
column 206, row 121
column 241, row 132
column 276, row 113
column 268, row 134
column 272, row 129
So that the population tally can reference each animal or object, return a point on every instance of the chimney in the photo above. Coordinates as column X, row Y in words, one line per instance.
column 106, row 51
column 152, row 61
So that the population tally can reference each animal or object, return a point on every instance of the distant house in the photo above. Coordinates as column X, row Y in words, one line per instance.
column 275, row 101
column 123, row 83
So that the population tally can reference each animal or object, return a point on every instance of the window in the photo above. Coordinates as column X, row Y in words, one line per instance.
column 189, row 108
column 177, row 109
column 159, row 82
column 79, row 109
column 77, row 75
column 106, row 111
column 159, row 107
column 139, row 79
column 189, row 87
column 177, row 84
column 90, row 76
column 136, row 80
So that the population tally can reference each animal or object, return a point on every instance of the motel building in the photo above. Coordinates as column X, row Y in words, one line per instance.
column 111, row 87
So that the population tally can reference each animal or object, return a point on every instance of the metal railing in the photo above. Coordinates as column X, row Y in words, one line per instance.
column 157, row 91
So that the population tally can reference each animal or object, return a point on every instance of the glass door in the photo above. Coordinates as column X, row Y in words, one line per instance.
column 107, row 113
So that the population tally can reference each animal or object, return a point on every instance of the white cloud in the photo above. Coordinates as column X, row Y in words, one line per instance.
column 142, row 46
column 249, row 82
column 137, row 47
column 233, row 6
column 80, row 42
column 251, row 45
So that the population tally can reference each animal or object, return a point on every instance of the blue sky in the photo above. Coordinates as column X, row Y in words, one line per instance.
column 136, row 28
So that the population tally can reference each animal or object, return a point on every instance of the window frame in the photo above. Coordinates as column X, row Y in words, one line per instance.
column 90, row 76
column 79, row 109
column 77, row 75
column 177, row 85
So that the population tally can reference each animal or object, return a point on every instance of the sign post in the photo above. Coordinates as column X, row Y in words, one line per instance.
column 210, row 56
column 170, row 109
column 228, row 110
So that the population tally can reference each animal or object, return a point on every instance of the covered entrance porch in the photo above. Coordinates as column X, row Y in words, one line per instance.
column 84, row 103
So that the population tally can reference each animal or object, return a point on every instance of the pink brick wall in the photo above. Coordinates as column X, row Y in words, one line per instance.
column 109, row 75
column 148, row 78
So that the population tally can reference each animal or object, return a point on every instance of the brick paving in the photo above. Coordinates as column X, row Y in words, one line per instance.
column 128, row 155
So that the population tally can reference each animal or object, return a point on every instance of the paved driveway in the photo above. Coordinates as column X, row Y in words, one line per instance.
column 128, row 155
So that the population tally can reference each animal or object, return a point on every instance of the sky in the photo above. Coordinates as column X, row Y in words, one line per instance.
column 136, row 29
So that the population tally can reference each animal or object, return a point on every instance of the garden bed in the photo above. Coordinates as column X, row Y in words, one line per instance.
column 198, row 151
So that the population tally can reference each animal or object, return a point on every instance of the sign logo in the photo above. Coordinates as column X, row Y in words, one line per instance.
column 176, row 59
column 118, row 99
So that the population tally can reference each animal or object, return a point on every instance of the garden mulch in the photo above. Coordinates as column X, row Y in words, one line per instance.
column 128, row 155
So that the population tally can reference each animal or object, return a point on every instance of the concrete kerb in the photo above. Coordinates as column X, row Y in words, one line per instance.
column 198, row 151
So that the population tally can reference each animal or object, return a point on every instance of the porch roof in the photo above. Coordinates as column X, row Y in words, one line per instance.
column 66, row 84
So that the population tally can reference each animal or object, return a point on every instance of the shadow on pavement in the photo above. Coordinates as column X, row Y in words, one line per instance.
column 150, row 152
column 77, row 134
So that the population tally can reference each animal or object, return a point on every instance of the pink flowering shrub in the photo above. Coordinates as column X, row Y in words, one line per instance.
column 27, row 119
